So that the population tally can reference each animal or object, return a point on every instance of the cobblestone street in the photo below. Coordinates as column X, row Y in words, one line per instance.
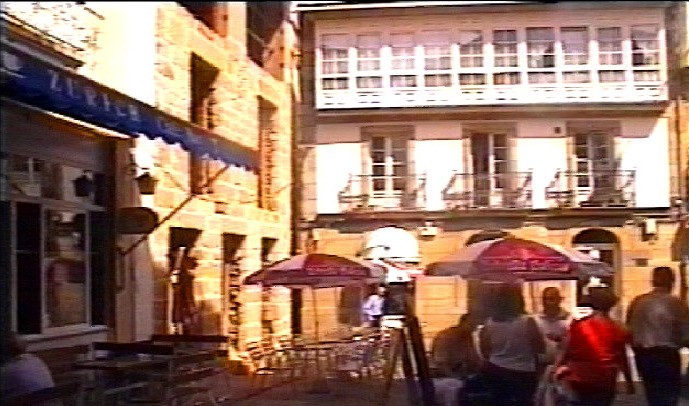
column 365, row 394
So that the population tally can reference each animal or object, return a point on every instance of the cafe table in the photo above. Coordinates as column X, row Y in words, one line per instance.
column 115, row 376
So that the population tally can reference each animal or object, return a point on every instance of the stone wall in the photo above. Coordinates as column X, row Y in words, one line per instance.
column 441, row 300
column 239, row 85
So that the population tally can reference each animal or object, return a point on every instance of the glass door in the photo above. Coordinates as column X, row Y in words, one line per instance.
column 489, row 154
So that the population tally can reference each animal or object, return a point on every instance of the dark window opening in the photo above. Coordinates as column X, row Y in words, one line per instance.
column 204, row 114
column 267, row 247
column 268, row 311
column 267, row 114
column 28, row 257
column 232, row 284
column 212, row 13
column 263, row 20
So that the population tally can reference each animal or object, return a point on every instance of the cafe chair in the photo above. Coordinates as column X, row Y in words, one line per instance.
column 188, row 379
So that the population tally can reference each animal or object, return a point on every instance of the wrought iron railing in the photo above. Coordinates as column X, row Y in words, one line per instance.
column 598, row 188
column 510, row 190
column 387, row 192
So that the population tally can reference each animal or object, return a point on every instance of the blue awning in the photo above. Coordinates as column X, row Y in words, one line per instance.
column 32, row 81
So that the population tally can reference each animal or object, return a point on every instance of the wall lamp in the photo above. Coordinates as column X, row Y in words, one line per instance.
column 146, row 182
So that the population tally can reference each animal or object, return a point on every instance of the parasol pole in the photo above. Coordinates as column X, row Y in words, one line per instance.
column 532, row 293
column 315, row 312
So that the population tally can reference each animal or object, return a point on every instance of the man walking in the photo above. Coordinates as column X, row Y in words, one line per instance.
column 659, row 324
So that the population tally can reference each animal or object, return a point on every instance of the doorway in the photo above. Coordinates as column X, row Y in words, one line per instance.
column 604, row 246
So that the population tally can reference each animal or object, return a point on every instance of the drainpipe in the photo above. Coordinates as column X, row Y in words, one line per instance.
column 678, row 136
column 684, row 258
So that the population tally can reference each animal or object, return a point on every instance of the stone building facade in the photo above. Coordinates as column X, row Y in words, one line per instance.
column 420, row 103
column 253, row 106
column 212, row 84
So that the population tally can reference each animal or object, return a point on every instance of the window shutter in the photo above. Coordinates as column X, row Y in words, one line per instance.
column 465, row 182
column 569, row 182
column 467, row 166
column 365, row 164
column 412, row 172
column 513, row 178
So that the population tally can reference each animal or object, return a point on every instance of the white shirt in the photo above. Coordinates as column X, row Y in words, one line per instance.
column 510, row 344
column 553, row 327
column 373, row 306
column 25, row 373
column 658, row 319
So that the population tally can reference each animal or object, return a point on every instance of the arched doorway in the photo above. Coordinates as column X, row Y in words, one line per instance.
column 604, row 246
column 397, row 245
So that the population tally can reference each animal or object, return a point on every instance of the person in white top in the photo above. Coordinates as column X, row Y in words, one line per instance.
column 510, row 343
column 373, row 307
column 553, row 322
column 22, row 373
column 659, row 325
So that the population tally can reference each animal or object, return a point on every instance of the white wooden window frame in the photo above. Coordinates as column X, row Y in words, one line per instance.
column 591, row 160
column 493, row 160
column 569, row 76
column 369, row 77
column 473, row 72
column 388, row 164
column 440, row 51
column 347, row 61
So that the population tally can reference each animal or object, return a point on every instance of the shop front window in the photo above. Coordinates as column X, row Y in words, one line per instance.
column 33, row 177
column 59, row 244
column 65, row 262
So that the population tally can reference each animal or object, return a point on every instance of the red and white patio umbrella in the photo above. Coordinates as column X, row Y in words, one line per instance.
column 317, row 270
column 517, row 260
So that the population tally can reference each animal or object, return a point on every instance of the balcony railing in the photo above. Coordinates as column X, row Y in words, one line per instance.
column 600, row 188
column 479, row 190
column 370, row 192
column 488, row 95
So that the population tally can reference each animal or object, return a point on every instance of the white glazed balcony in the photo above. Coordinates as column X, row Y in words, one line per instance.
column 492, row 95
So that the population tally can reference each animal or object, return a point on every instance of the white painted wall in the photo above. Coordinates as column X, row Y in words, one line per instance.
column 645, row 149
column 541, row 151
column 334, row 164
column 126, row 62
column 438, row 159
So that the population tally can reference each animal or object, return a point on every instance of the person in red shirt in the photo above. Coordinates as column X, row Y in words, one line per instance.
column 595, row 353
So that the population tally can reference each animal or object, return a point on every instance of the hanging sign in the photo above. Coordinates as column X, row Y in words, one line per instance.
column 136, row 220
